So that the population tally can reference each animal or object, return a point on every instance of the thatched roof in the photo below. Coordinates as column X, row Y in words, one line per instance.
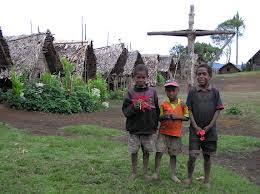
column 133, row 58
column 108, row 57
column 34, row 54
column 151, row 61
column 5, row 58
column 75, row 52
column 165, row 61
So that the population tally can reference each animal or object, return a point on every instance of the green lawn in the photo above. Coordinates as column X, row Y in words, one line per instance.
column 91, row 162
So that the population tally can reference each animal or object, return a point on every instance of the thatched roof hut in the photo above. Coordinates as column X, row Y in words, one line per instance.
column 133, row 58
column 82, row 55
column 165, row 62
column 111, row 59
column 34, row 54
column 5, row 58
column 151, row 61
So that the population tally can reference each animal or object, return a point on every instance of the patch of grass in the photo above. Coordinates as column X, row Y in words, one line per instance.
column 229, row 143
column 244, row 73
column 92, row 130
column 92, row 164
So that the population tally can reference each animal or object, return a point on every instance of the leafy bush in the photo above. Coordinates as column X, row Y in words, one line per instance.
column 117, row 94
column 100, row 84
column 67, row 94
column 233, row 110
column 160, row 79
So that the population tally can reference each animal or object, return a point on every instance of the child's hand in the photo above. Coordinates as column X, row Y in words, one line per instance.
column 197, row 129
column 174, row 116
column 207, row 128
column 167, row 116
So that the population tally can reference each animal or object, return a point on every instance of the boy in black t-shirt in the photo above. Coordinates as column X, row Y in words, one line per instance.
column 204, row 105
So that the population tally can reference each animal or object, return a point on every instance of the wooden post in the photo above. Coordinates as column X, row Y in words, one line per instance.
column 190, row 65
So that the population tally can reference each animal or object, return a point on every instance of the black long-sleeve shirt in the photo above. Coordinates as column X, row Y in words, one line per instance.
column 141, row 122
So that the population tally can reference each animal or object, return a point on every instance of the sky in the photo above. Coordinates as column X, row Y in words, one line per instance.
column 129, row 21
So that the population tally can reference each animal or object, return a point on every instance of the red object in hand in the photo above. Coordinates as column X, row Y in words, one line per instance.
column 201, row 133
column 144, row 102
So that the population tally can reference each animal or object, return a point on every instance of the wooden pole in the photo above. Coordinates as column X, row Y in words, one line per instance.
column 107, row 38
column 82, row 29
column 85, row 32
column 31, row 26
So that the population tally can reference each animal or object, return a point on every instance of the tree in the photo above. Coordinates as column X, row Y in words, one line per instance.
column 235, row 24
column 178, row 51
column 205, row 51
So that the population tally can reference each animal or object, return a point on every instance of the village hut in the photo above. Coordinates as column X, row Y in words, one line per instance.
column 168, row 66
column 34, row 54
column 81, row 54
column 151, row 61
column 254, row 62
column 133, row 58
column 110, row 64
column 228, row 68
column 5, row 63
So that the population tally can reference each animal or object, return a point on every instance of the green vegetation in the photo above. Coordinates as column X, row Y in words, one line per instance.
column 92, row 162
column 160, row 79
column 233, row 110
column 117, row 94
column 57, row 94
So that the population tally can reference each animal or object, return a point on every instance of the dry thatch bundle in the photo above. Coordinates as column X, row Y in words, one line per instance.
column 151, row 61
column 133, row 58
column 82, row 55
column 111, row 59
column 5, row 58
column 34, row 54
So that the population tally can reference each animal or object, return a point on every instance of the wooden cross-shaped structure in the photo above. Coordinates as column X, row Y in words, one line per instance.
column 191, row 34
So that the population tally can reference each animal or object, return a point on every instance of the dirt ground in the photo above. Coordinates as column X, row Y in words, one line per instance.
column 247, row 164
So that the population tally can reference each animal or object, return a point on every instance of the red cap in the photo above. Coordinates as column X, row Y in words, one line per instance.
column 171, row 83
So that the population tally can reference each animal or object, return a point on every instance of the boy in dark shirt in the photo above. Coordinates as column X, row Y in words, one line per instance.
column 204, row 105
column 141, row 110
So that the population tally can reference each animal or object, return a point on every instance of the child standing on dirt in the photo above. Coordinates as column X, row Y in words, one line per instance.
column 204, row 105
column 141, row 110
column 172, row 112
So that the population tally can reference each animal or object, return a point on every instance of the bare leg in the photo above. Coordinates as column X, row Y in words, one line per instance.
column 173, row 168
column 145, row 162
column 158, row 158
column 191, row 166
column 207, row 166
column 134, row 158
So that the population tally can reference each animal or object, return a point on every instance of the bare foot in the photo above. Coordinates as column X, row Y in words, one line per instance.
column 175, row 179
column 188, row 181
column 132, row 177
column 155, row 176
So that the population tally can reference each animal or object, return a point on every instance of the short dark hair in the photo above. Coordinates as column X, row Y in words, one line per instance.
column 140, row 67
column 205, row 65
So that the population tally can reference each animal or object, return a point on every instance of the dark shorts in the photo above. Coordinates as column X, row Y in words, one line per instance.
column 207, row 147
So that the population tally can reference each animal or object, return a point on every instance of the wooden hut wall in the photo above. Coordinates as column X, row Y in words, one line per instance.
column 51, row 56
column 5, row 58
column 90, row 63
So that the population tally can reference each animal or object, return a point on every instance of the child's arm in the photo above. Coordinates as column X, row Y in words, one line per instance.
column 185, row 116
column 219, row 107
column 215, row 117
column 193, row 122
column 156, row 103
column 128, row 108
